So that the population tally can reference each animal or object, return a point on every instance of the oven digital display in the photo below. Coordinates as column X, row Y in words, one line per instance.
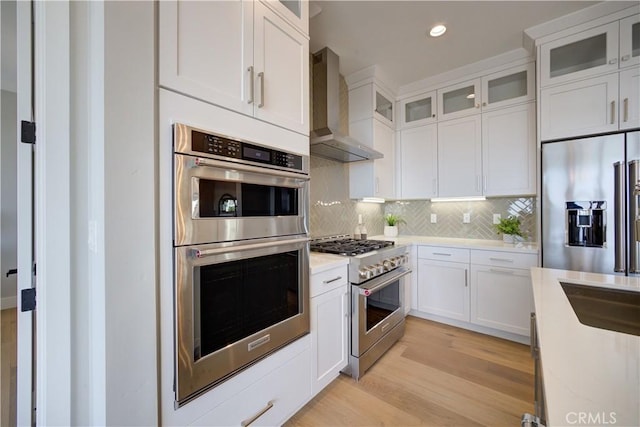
column 253, row 153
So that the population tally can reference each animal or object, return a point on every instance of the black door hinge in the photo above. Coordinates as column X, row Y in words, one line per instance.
column 28, row 299
column 28, row 135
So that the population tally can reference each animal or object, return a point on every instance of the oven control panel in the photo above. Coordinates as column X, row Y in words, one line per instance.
column 219, row 146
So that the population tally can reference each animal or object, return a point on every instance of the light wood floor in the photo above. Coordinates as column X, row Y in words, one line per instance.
column 435, row 375
column 8, row 367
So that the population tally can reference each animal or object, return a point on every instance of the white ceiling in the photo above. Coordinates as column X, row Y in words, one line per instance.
column 393, row 34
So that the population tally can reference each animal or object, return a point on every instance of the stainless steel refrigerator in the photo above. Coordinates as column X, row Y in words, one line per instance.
column 590, row 198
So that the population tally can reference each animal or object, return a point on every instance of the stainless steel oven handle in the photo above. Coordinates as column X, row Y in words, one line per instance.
column 201, row 161
column 203, row 253
column 387, row 281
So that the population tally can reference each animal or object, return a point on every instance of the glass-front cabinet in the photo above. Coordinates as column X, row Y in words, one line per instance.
column 584, row 54
column 630, row 41
column 418, row 110
column 459, row 100
column 384, row 107
column 511, row 86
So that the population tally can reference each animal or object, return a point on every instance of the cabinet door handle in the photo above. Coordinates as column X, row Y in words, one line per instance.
column 484, row 104
column 466, row 278
column 326, row 282
column 478, row 105
column 250, row 420
column 613, row 112
column 441, row 254
column 433, row 115
column 626, row 109
column 625, row 58
column 495, row 270
column 613, row 61
column 250, row 71
column 261, row 78
column 501, row 259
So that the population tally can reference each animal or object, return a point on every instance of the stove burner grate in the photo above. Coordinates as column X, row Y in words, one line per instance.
column 349, row 247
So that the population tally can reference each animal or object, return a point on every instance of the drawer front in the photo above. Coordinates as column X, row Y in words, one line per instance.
column 270, row 401
column 443, row 254
column 328, row 280
column 504, row 259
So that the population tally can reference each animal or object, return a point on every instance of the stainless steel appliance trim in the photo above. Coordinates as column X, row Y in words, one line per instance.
column 230, row 168
column 196, row 377
column 190, row 228
column 619, row 212
column 634, row 174
column 242, row 246
column 382, row 281
column 250, row 421
column 182, row 145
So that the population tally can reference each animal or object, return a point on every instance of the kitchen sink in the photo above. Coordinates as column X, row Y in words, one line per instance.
column 612, row 309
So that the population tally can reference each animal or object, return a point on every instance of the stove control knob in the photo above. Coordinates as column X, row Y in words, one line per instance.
column 364, row 273
column 379, row 268
column 388, row 264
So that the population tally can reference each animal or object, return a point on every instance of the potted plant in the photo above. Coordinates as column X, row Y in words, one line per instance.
column 391, row 222
column 509, row 228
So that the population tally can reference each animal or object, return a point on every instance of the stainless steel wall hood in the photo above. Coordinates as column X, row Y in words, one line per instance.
column 326, row 139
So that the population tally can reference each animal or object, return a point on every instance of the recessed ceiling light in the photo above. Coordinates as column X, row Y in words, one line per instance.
column 437, row 30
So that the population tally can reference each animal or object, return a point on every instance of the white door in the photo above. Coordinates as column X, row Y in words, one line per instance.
column 460, row 157
column 281, row 61
column 419, row 162
column 581, row 108
column 509, row 151
column 630, row 98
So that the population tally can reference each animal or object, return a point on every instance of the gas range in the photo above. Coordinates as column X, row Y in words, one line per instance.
column 367, row 258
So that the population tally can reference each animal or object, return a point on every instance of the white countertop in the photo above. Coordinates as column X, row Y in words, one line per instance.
column 585, row 369
column 319, row 262
column 495, row 245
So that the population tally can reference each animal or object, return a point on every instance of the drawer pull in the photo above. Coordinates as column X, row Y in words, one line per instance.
column 249, row 421
column 441, row 254
column 326, row 282
column 501, row 259
column 493, row 270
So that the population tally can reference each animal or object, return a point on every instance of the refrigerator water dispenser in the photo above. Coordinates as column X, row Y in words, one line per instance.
column 586, row 223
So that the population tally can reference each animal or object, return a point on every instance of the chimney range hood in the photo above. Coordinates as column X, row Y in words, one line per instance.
column 326, row 139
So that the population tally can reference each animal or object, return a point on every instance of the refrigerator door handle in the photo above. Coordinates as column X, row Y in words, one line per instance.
column 634, row 173
column 619, row 222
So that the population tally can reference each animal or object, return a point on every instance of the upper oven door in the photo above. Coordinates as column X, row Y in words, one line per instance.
column 217, row 201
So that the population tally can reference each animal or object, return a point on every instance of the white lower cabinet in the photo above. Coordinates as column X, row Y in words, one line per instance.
column 443, row 286
column 491, row 289
column 269, row 401
column 329, row 326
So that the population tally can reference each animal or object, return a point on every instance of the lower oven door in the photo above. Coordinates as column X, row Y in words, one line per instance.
column 234, row 304
column 378, row 307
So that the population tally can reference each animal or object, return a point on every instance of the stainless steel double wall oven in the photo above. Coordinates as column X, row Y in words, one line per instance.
column 241, row 254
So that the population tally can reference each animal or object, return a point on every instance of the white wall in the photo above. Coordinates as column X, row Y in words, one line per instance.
column 8, row 201
column 113, row 198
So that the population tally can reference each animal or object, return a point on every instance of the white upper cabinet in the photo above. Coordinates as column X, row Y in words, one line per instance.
column 590, row 52
column 281, row 61
column 508, row 87
column 630, row 98
column 418, row 165
column 460, row 157
column 509, row 151
column 580, row 108
column 238, row 55
column 418, row 110
column 459, row 100
column 373, row 178
column 206, row 51
column 295, row 12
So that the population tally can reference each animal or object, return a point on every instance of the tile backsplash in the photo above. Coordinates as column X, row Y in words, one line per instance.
column 332, row 212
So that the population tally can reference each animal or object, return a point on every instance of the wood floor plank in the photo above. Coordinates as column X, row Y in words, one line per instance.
column 436, row 375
